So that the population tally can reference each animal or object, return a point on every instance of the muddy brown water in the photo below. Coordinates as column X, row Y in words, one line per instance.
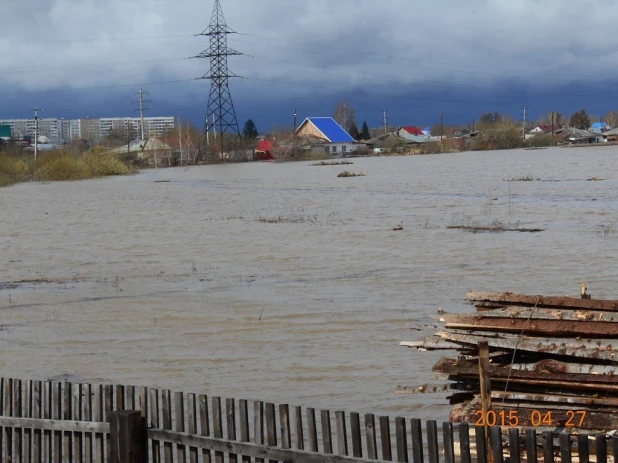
column 282, row 282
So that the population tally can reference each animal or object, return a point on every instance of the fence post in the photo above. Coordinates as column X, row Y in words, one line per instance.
column 128, row 437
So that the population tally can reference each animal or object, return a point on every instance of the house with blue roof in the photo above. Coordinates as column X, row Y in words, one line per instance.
column 326, row 135
column 599, row 127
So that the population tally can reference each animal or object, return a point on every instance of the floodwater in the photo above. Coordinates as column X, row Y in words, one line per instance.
column 282, row 282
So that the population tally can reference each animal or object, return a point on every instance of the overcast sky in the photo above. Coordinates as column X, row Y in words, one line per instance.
column 78, row 58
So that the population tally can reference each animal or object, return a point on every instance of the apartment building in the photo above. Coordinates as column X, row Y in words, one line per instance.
column 91, row 129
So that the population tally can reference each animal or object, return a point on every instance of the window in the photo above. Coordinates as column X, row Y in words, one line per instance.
column 334, row 149
column 344, row 149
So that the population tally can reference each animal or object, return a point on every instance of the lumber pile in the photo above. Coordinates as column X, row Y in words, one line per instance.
column 552, row 362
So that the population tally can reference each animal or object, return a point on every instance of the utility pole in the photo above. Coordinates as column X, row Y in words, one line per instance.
column 36, row 133
column 441, row 125
column 523, row 128
column 473, row 122
column 385, row 121
column 552, row 128
column 141, row 109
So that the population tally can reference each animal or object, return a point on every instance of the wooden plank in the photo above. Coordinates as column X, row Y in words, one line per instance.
column 250, row 449
column 130, row 398
column 230, row 412
column 217, row 425
column 59, row 425
column 475, row 297
column 548, row 447
column 300, row 434
column 77, row 415
column 495, row 438
column 17, row 412
column 583, row 450
column 432, row 441
column 120, row 397
column 312, row 430
column 155, row 423
column 466, row 369
column 108, row 407
column 166, row 407
column 204, row 424
column 179, row 411
column 87, row 416
column 514, row 454
column 192, row 425
column 342, row 436
column 485, row 388
column 327, row 442
column 588, row 349
column 37, row 413
column 370, row 436
column 535, row 327
column 127, row 430
column 67, row 393
column 565, row 447
column 401, row 437
column 385, row 438
column 600, row 445
column 284, row 423
column 258, row 426
column 2, row 412
column 27, row 413
column 57, row 415
column 554, row 398
column 531, row 452
column 447, row 442
column 271, row 426
column 355, row 433
column 464, row 444
column 98, row 408
column 537, row 313
column 615, row 448
column 243, row 418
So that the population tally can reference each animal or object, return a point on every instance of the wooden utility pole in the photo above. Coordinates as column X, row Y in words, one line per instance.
column 441, row 124
column 485, row 386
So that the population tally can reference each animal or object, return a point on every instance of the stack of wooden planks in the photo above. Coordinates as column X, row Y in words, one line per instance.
column 552, row 362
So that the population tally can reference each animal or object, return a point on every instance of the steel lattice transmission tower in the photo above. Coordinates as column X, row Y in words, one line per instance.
column 220, row 112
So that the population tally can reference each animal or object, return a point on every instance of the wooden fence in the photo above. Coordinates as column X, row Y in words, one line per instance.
column 66, row 422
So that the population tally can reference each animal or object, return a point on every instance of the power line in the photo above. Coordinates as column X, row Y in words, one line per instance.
column 92, row 40
column 87, row 66
column 107, row 87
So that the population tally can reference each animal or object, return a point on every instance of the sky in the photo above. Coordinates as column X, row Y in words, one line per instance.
column 87, row 58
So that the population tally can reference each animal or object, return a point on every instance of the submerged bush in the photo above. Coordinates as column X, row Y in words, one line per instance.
column 102, row 163
column 61, row 166
column 13, row 169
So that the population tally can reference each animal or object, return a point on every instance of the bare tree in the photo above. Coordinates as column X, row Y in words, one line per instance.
column 611, row 118
column 344, row 114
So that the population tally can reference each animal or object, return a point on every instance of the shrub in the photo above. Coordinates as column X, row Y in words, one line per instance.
column 61, row 166
column 102, row 163
column 13, row 170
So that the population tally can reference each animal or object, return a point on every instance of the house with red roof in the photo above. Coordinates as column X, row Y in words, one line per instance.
column 263, row 151
column 411, row 130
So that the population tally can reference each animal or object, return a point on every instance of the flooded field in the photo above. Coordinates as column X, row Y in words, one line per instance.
column 282, row 282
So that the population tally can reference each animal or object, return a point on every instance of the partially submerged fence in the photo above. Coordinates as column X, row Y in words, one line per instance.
column 61, row 421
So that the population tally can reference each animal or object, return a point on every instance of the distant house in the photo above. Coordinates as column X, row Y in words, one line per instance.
column 599, row 127
column 611, row 136
column 411, row 130
column 544, row 128
column 329, row 136
column 263, row 151
column 578, row 136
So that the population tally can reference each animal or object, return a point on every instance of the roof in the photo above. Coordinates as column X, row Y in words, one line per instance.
column 328, row 127
column 412, row 130
column 264, row 145
column 547, row 127
column 599, row 125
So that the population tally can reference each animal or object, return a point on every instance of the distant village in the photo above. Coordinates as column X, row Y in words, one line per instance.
column 163, row 141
